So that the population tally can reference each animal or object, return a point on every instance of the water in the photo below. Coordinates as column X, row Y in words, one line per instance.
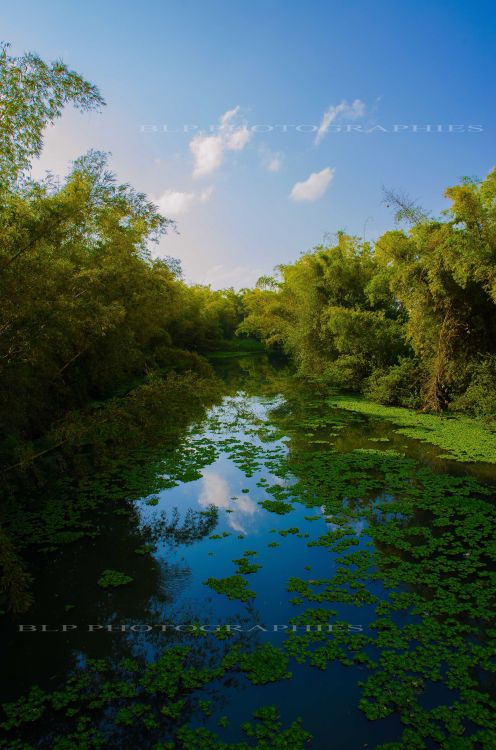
column 270, row 440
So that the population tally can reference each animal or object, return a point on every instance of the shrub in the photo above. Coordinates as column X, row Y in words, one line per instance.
column 479, row 399
column 399, row 385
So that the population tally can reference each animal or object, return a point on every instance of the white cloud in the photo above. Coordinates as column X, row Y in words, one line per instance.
column 271, row 160
column 238, row 139
column 215, row 491
column 226, row 118
column 208, row 150
column 274, row 164
column 313, row 187
column 208, row 153
column 173, row 202
column 343, row 110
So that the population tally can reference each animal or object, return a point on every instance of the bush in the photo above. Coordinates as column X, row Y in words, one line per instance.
column 347, row 373
column 479, row 399
column 399, row 385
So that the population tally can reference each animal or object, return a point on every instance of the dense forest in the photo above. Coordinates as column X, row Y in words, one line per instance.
column 408, row 319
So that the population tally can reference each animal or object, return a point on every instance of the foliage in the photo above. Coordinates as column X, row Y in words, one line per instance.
column 479, row 399
column 332, row 313
column 409, row 321
column 33, row 95
column 234, row 587
column 98, row 342
column 399, row 385
column 113, row 579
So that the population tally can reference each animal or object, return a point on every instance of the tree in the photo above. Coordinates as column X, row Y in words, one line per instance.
column 443, row 274
column 33, row 94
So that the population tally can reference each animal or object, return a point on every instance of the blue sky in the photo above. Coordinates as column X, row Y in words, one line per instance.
column 260, row 186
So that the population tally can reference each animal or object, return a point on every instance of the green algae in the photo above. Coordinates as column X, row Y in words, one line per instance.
column 459, row 437
column 113, row 579
column 234, row 587
column 276, row 506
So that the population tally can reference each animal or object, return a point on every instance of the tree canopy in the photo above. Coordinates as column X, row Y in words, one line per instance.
column 408, row 320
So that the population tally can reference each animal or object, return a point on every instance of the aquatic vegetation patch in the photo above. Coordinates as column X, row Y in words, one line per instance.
column 245, row 566
column 144, row 700
column 267, row 731
column 265, row 664
column 432, row 547
column 234, row 587
column 411, row 554
column 276, row 506
column 113, row 579
column 219, row 536
column 145, row 549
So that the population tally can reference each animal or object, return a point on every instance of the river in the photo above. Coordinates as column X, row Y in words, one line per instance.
column 287, row 553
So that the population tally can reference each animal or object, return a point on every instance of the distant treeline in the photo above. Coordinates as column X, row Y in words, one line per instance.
column 408, row 320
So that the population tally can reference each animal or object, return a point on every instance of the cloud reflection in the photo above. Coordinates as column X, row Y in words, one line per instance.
column 215, row 491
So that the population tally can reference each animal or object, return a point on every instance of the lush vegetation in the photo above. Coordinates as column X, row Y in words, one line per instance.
column 409, row 320
column 403, row 549
column 85, row 309
column 104, row 366
column 101, row 345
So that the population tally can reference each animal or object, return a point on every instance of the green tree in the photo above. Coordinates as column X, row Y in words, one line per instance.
column 33, row 95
